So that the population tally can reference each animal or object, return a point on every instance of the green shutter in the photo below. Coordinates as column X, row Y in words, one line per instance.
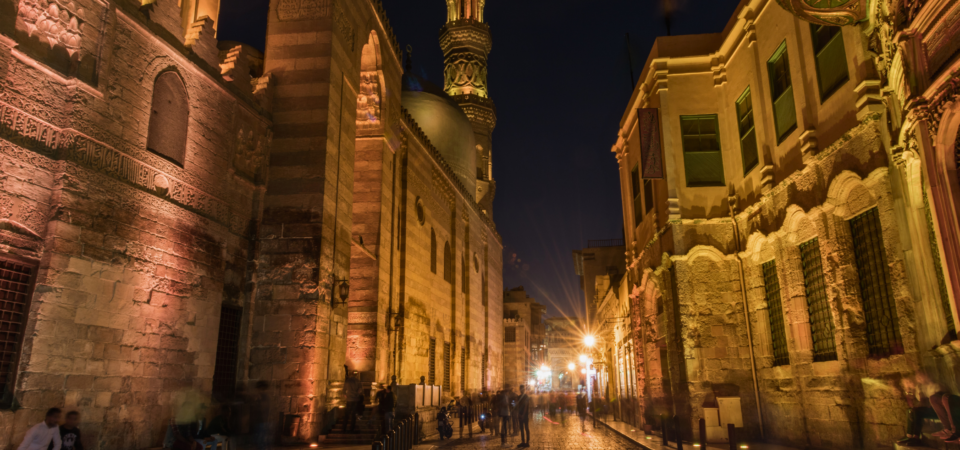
column 748, row 135
column 784, row 108
column 831, row 59
column 702, row 160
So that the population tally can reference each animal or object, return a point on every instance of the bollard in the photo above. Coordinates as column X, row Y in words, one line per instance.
column 677, row 434
column 703, row 433
column 377, row 445
column 416, row 426
column 732, row 436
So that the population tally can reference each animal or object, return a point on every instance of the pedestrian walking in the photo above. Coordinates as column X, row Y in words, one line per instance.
column 353, row 391
column 443, row 424
column 466, row 415
column 41, row 435
column 504, row 411
column 386, row 404
column 523, row 417
column 582, row 411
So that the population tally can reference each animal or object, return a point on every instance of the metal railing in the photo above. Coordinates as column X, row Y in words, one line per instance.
column 404, row 435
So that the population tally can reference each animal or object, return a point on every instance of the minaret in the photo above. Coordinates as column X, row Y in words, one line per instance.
column 465, row 41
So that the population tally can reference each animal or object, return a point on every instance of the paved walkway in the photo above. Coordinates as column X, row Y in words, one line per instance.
column 649, row 442
column 547, row 435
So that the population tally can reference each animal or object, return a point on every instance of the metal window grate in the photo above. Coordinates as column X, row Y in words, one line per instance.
column 510, row 334
column 228, row 352
column 446, row 364
column 778, row 334
column 821, row 319
column 463, row 370
column 432, row 364
column 483, row 371
column 433, row 251
column 16, row 284
column 879, row 309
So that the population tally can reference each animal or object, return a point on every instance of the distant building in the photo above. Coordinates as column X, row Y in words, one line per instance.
column 564, row 337
column 523, row 336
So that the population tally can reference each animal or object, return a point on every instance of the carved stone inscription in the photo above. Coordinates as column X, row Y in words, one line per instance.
column 39, row 136
column 303, row 9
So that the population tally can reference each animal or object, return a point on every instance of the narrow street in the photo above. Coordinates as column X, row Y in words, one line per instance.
column 547, row 434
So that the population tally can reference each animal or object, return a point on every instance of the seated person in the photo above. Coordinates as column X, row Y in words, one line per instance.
column 216, row 432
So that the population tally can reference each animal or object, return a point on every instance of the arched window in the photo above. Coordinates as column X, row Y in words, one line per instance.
column 433, row 251
column 447, row 263
column 167, row 133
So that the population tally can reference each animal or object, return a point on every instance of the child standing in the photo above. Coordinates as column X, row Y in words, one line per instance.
column 70, row 433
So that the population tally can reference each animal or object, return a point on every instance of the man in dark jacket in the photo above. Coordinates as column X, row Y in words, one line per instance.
column 503, row 410
column 386, row 407
column 523, row 417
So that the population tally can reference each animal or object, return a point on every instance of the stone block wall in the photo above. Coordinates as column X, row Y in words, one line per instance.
column 135, row 254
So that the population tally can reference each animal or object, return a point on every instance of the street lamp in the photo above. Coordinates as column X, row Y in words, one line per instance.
column 583, row 359
column 571, row 366
column 589, row 340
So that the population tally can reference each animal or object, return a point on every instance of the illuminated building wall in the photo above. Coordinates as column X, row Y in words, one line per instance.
column 797, row 252
column 177, row 213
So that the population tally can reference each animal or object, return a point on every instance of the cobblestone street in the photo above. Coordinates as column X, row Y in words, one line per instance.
column 547, row 434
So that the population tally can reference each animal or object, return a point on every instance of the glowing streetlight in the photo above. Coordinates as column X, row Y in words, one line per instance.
column 583, row 359
column 589, row 340
column 571, row 366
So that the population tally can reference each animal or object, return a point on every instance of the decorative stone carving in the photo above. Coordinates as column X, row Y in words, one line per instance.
column 54, row 23
column 465, row 73
column 368, row 103
column 342, row 24
column 827, row 12
column 932, row 111
column 303, row 9
column 250, row 153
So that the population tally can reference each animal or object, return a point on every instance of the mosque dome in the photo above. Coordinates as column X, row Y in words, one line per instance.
column 445, row 124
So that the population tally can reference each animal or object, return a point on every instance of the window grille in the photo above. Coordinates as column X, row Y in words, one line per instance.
column 433, row 251
column 463, row 370
column 879, row 309
column 702, row 160
column 448, row 263
column 16, row 287
column 818, row 307
column 748, row 132
column 784, row 109
column 648, row 195
column 228, row 353
column 483, row 371
column 510, row 334
column 778, row 334
column 637, row 195
column 831, row 59
column 938, row 264
column 446, row 364
column 432, row 364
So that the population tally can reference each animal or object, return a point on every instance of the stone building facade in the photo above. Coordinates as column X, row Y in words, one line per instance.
column 180, row 216
column 524, row 347
column 788, row 189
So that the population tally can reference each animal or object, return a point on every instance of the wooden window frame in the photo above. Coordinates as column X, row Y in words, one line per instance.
column 819, row 48
column 785, row 83
column 748, row 131
column 701, row 137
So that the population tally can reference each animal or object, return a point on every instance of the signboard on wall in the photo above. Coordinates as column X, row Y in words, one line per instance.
column 651, row 155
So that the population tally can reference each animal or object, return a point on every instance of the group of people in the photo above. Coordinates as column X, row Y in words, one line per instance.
column 51, row 435
column 930, row 400
column 506, row 413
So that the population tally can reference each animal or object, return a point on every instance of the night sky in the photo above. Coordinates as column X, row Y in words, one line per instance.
column 560, row 77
